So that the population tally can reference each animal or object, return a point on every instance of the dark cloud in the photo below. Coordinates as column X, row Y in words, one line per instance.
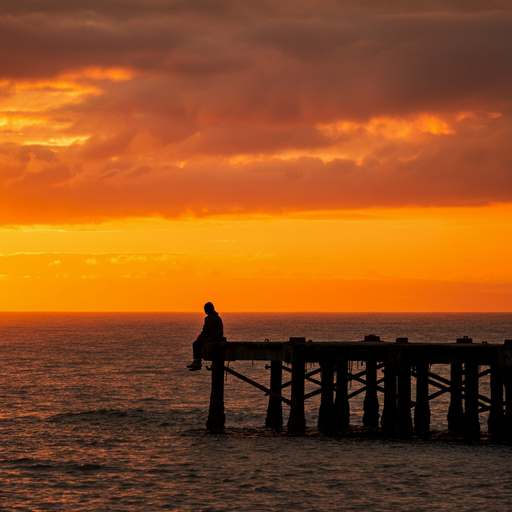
column 235, row 106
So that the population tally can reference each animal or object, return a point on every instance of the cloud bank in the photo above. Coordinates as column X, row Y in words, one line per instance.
column 130, row 109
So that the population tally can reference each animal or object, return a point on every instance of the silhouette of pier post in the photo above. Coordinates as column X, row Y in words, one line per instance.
column 495, row 422
column 371, row 402
column 341, row 404
column 297, row 419
column 326, row 414
column 471, row 427
column 455, row 410
column 275, row 405
column 403, row 421
column 389, row 411
column 216, row 416
column 506, row 368
column 422, row 409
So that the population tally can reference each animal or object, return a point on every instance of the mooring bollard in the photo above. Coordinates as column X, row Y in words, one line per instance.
column 216, row 416
column 275, row 405
column 341, row 404
column 326, row 414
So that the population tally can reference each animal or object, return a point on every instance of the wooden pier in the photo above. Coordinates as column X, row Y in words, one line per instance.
column 402, row 415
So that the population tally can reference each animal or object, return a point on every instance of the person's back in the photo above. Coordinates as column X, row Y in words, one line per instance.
column 213, row 330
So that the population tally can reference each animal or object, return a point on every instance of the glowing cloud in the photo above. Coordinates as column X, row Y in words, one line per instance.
column 196, row 110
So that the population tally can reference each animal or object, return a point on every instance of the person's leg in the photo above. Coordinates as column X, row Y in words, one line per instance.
column 196, row 353
column 196, row 349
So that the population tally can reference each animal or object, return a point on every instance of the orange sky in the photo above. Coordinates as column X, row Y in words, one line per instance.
column 267, row 155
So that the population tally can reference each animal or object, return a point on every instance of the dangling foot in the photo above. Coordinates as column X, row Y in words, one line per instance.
column 196, row 365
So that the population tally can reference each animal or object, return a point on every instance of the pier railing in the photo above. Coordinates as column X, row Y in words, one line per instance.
column 400, row 362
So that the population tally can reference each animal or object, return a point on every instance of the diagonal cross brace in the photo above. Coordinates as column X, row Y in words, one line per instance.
column 256, row 385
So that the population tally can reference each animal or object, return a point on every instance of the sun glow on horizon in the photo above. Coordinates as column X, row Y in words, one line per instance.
column 369, row 260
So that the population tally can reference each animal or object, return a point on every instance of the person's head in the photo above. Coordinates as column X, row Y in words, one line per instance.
column 209, row 308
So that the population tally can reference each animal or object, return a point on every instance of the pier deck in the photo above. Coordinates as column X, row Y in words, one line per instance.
column 399, row 361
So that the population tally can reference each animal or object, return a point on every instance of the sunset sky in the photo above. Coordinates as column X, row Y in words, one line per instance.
column 267, row 155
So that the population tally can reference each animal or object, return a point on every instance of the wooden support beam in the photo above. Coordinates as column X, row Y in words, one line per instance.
column 422, row 409
column 256, row 384
column 363, row 381
column 326, row 419
column 357, row 376
column 297, row 420
column 496, row 419
column 274, row 417
column 313, row 393
column 371, row 402
column 216, row 416
column 307, row 376
column 341, row 404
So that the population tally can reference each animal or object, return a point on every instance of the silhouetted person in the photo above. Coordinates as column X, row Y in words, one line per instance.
column 213, row 330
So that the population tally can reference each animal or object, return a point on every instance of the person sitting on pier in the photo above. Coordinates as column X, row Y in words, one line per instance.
column 213, row 330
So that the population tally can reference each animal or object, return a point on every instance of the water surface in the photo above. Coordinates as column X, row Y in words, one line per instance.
column 98, row 412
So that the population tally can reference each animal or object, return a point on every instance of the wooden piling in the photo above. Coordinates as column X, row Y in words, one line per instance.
column 422, row 409
column 326, row 414
column 371, row 402
column 495, row 422
column 275, row 405
column 507, row 382
column 471, row 428
column 341, row 404
column 455, row 410
column 403, row 421
column 216, row 416
column 506, row 370
column 389, row 411
column 297, row 420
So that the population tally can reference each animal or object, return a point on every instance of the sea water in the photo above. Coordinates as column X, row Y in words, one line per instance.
column 98, row 412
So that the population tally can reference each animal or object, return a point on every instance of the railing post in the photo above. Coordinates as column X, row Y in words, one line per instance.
column 216, row 416
column 275, row 405
column 341, row 404
column 326, row 420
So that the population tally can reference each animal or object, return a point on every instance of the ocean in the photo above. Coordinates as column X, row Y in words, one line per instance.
column 98, row 412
